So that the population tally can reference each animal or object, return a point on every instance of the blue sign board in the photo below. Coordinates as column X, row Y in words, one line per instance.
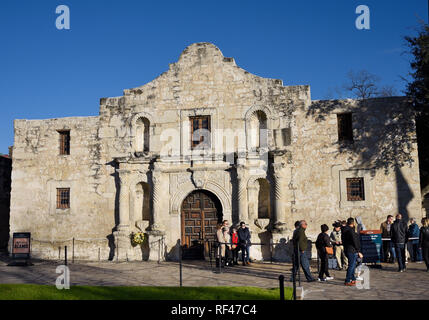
column 371, row 245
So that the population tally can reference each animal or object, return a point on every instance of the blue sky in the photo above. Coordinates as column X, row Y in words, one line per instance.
column 115, row 45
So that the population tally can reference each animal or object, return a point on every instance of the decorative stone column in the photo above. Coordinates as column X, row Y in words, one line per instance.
column 279, row 196
column 122, row 235
column 252, row 196
column 282, row 227
column 157, row 200
column 242, row 193
column 156, row 235
column 124, row 200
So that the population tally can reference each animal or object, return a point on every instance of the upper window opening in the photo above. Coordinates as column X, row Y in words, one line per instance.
column 345, row 127
column 64, row 142
column 200, row 132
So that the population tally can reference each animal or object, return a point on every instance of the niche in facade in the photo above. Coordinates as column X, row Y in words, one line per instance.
column 142, row 202
column 142, row 135
column 282, row 137
column 264, row 205
column 258, row 130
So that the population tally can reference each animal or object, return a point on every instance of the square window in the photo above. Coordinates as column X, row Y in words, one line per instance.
column 63, row 198
column 355, row 189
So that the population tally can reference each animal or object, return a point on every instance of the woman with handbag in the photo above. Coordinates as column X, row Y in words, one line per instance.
column 324, row 249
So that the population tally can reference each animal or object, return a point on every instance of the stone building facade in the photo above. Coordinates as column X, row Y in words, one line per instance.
column 5, row 173
column 204, row 142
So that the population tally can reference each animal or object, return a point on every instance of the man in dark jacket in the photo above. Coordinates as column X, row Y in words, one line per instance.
column 385, row 229
column 413, row 245
column 351, row 245
column 424, row 241
column 244, row 239
column 300, row 243
column 399, row 232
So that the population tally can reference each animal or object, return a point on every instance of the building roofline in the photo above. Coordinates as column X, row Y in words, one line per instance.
column 58, row 118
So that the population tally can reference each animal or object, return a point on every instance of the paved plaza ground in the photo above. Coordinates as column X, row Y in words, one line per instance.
column 385, row 283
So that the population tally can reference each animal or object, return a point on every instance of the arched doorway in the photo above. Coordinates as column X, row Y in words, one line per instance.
column 201, row 212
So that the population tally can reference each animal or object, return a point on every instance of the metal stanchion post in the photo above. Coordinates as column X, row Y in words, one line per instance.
column 271, row 250
column 180, row 262
column 318, row 266
column 65, row 255
column 210, row 254
column 294, row 274
column 282, row 287
column 220, row 258
column 159, row 250
column 298, row 264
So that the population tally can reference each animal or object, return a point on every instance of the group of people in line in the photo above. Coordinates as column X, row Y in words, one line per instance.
column 231, row 242
column 413, row 237
column 344, row 243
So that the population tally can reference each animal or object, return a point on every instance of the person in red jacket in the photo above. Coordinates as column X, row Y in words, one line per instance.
column 235, row 246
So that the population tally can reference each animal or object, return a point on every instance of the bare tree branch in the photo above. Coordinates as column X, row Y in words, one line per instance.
column 362, row 84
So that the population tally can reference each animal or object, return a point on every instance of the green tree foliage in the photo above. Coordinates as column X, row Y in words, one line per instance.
column 418, row 92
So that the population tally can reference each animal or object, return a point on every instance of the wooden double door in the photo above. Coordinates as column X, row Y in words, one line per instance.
column 201, row 213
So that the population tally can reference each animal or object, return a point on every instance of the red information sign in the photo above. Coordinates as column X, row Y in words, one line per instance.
column 21, row 245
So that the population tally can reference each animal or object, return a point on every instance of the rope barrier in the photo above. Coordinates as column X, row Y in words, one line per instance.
column 67, row 240
column 389, row 239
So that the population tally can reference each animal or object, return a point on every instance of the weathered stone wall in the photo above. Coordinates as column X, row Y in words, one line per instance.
column 39, row 169
column 384, row 152
column 5, row 173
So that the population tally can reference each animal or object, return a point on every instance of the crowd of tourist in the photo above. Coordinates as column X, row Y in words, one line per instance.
column 342, row 243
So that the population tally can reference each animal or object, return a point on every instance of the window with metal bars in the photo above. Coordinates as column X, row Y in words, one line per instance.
column 64, row 142
column 355, row 189
column 200, row 132
column 63, row 198
column 345, row 127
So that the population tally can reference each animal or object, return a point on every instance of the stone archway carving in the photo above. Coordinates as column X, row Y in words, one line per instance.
column 186, row 188
column 137, row 178
column 252, row 180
